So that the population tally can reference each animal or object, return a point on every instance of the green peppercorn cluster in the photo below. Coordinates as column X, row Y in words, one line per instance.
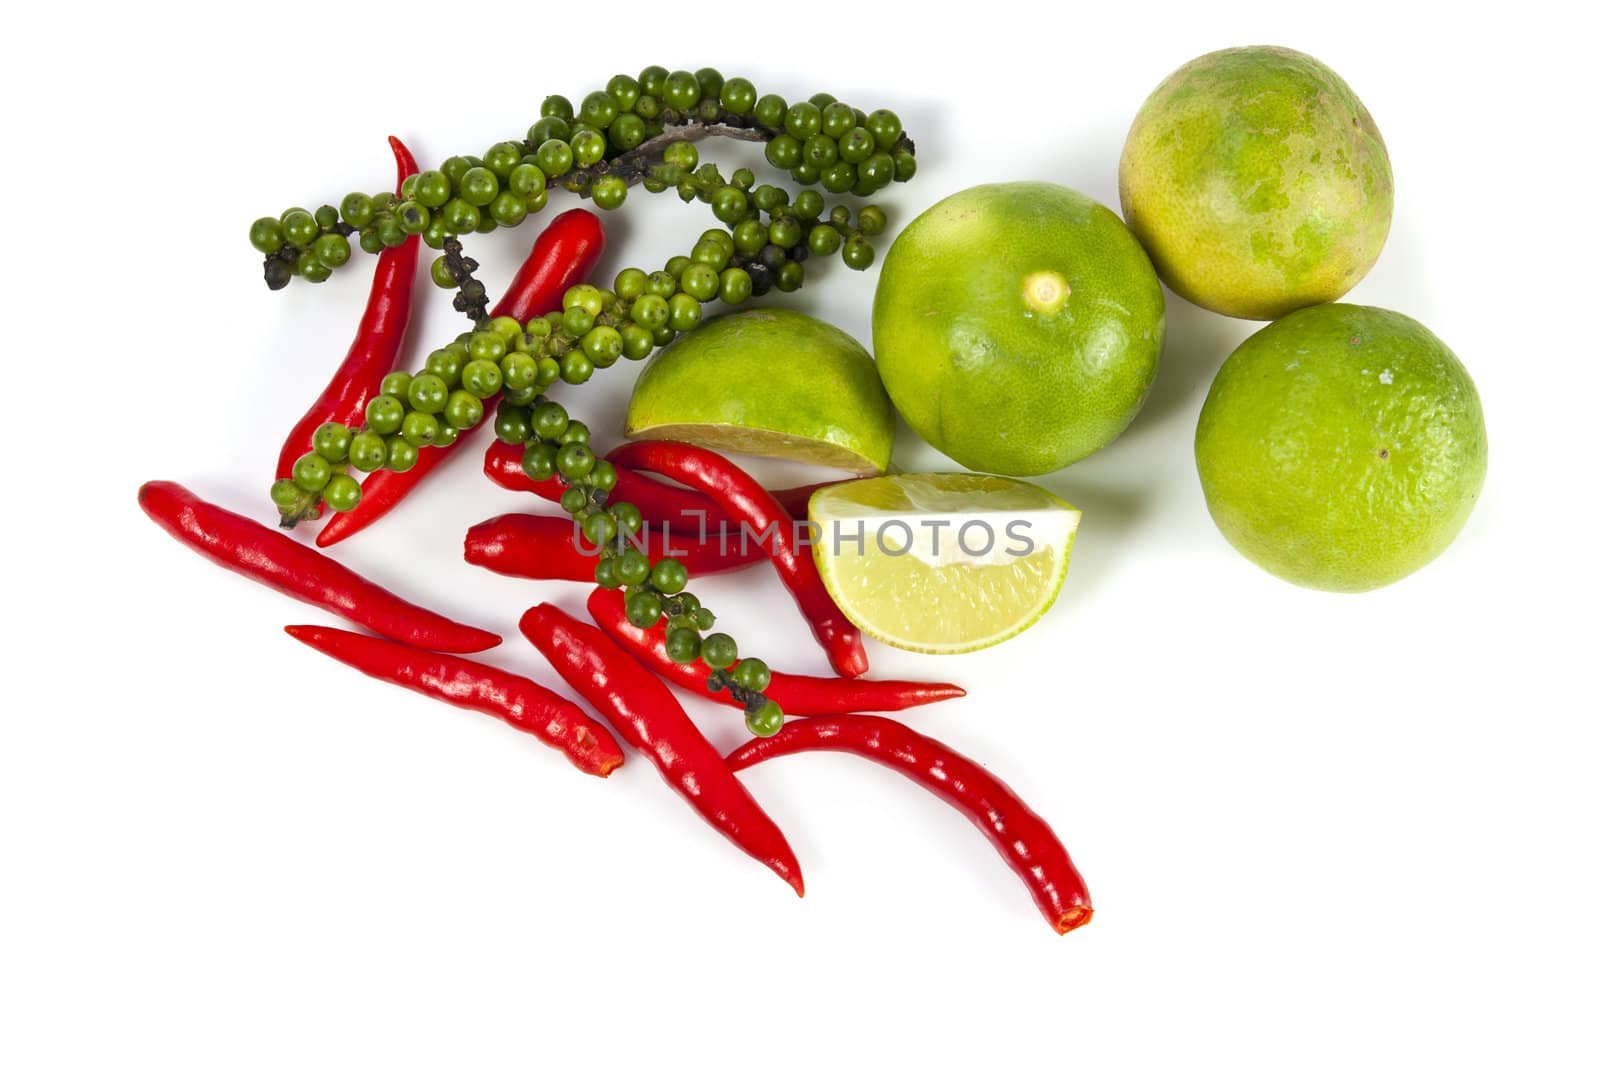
column 631, row 132
column 654, row 594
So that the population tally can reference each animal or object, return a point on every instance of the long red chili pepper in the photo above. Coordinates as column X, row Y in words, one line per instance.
column 797, row 694
column 1022, row 838
column 640, row 707
column 657, row 501
column 246, row 547
column 513, row 699
column 377, row 344
column 544, row 546
column 742, row 497
column 563, row 256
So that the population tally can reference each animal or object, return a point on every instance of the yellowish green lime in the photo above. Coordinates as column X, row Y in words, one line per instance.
column 1258, row 182
column 768, row 383
column 942, row 562
column 1342, row 447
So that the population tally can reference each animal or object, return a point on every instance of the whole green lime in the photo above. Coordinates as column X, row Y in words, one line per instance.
column 769, row 383
column 1018, row 327
column 1341, row 447
column 1258, row 182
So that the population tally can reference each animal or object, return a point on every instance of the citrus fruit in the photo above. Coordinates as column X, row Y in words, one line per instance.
column 1258, row 182
column 942, row 562
column 1341, row 447
column 768, row 383
column 1018, row 327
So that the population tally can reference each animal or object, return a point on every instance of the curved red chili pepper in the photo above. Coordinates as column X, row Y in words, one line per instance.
column 641, row 708
column 742, row 497
column 377, row 343
column 797, row 694
column 561, row 257
column 511, row 698
column 246, row 547
column 1023, row 839
column 544, row 546
column 657, row 501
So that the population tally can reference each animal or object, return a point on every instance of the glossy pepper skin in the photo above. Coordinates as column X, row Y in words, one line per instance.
column 798, row 694
column 640, row 707
column 561, row 257
column 545, row 546
column 657, row 501
column 246, row 547
column 743, row 498
column 379, row 335
column 511, row 698
column 1023, row 839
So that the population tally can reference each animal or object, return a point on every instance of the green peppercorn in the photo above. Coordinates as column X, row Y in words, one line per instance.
column 419, row 428
column 643, row 608
column 460, row 217
column 770, row 110
column 446, row 363
column 858, row 253
column 752, row 674
column 332, row 441
column 508, row 209
column 384, row 414
column 765, row 719
column 402, row 455
column 604, row 476
column 681, row 90
column 554, row 157
column 783, row 151
column 368, row 451
column 738, row 96
column 574, row 500
column 576, row 368
column 629, row 518
column 633, row 567
column 700, row 281
column 311, row 472
column 839, row 178
column 885, row 128
column 730, row 204
column 669, row 576
column 512, row 424
column 824, row 240
column 605, row 574
column 599, row 528
column 683, row 646
column 719, row 651
column 790, row 277
column 608, row 192
column 502, row 157
column 332, row 250
column 683, row 312
column 603, row 346
column 734, row 286
column 556, row 105
column 539, row 461
column 803, row 120
column 576, row 433
column 599, row 109
column 266, row 234
column 479, row 186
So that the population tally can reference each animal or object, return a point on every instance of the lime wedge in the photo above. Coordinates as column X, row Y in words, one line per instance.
column 942, row 562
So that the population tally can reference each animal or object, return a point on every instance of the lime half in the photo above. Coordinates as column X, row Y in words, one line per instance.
column 942, row 562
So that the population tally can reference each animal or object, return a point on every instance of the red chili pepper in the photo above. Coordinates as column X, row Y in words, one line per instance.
column 742, row 497
column 377, row 344
column 797, row 694
column 657, row 501
column 511, row 698
column 1023, row 839
column 246, row 547
column 563, row 256
column 544, row 546
column 640, row 707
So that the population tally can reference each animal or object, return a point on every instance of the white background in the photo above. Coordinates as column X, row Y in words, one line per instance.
column 1318, row 828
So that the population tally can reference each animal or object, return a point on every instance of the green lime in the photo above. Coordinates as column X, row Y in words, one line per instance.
column 1341, row 447
column 1258, row 182
column 942, row 562
column 768, row 383
column 1018, row 327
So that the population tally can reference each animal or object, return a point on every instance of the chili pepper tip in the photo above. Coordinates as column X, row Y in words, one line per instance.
column 1073, row 918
